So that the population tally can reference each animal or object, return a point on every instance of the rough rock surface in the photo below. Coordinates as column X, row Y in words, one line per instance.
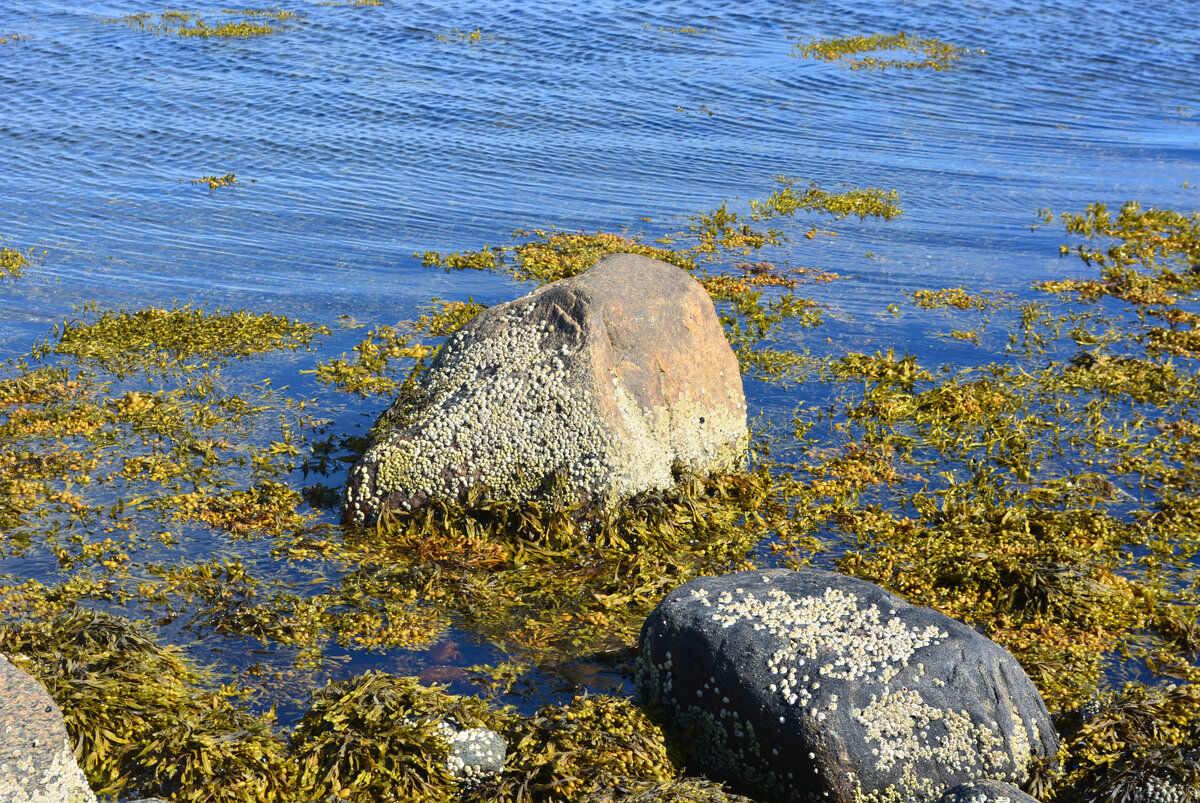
column 475, row 753
column 986, row 791
column 36, row 762
column 814, row 686
column 607, row 379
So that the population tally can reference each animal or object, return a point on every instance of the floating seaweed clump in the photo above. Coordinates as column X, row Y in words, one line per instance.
column 13, row 262
column 959, row 298
column 1153, row 258
column 468, row 37
column 861, row 201
column 545, row 256
column 213, row 182
column 389, row 358
column 171, row 339
column 846, row 51
column 234, row 24
column 143, row 718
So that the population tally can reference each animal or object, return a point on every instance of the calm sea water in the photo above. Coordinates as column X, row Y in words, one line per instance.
column 358, row 138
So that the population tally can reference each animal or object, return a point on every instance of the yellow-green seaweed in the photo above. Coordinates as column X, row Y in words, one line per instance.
column 937, row 55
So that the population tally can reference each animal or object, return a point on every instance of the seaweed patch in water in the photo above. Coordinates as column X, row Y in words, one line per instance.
column 846, row 51
column 234, row 24
column 1153, row 255
column 227, row 180
column 13, row 261
column 861, row 201
column 179, row 339
column 467, row 37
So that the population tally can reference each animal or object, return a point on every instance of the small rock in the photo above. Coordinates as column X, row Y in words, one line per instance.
column 605, row 382
column 985, row 791
column 814, row 686
column 475, row 753
column 36, row 762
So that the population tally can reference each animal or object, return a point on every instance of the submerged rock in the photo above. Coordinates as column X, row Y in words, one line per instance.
column 814, row 686
column 36, row 762
column 598, row 385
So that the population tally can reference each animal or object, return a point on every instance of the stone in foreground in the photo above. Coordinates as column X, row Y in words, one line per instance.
column 36, row 762
column 475, row 753
column 814, row 686
column 606, row 381
column 986, row 791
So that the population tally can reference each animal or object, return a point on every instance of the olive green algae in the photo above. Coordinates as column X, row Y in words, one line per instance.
column 851, row 51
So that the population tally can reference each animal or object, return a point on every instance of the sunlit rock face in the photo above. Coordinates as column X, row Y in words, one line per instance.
column 596, row 386
column 814, row 686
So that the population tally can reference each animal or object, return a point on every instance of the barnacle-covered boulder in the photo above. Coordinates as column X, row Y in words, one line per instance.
column 814, row 686
column 36, row 762
column 597, row 386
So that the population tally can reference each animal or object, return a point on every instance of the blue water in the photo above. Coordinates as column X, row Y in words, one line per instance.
column 358, row 138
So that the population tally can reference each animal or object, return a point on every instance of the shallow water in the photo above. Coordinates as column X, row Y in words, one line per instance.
column 359, row 138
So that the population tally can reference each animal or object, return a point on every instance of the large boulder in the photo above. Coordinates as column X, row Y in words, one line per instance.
column 598, row 385
column 36, row 762
column 814, row 686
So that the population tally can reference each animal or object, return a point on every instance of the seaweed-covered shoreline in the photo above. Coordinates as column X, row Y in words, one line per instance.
column 1043, row 498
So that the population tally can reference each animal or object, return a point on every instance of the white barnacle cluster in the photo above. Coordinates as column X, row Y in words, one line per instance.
column 27, row 777
column 507, row 409
column 475, row 753
column 852, row 642
column 1163, row 790
column 898, row 723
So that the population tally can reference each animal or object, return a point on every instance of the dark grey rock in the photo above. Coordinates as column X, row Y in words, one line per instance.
column 606, row 380
column 986, row 791
column 814, row 686
column 36, row 762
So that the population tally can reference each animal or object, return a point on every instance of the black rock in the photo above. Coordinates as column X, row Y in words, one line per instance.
column 986, row 791
column 814, row 686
